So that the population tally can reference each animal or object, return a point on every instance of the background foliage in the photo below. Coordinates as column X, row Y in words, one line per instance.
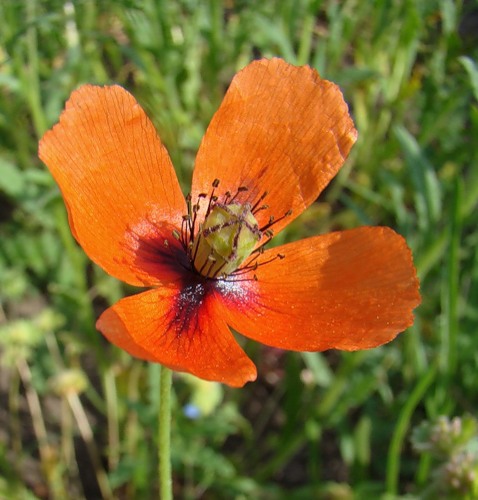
column 78, row 417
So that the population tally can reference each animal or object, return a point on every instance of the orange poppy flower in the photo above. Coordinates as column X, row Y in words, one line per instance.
column 278, row 138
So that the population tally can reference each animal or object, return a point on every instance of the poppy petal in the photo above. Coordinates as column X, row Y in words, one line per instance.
column 347, row 290
column 178, row 327
column 280, row 129
column 116, row 178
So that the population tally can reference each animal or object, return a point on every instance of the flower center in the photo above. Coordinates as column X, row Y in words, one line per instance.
column 228, row 241
column 225, row 239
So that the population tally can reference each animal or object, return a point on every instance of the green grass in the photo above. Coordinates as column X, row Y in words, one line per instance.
column 77, row 413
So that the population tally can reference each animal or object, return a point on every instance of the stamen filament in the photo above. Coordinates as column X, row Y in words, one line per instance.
column 263, row 195
column 273, row 221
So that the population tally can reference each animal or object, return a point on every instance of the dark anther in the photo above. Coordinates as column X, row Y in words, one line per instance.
column 215, row 183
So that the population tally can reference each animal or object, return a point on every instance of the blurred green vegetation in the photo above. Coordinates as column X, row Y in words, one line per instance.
column 77, row 416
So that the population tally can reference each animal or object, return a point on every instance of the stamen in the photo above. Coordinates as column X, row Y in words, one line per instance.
column 263, row 195
column 213, row 263
column 272, row 259
column 240, row 189
column 203, row 266
column 185, row 225
column 262, row 207
column 193, row 256
column 192, row 226
column 212, row 200
column 233, row 279
column 252, row 264
column 248, row 268
column 218, row 270
column 213, row 197
column 273, row 221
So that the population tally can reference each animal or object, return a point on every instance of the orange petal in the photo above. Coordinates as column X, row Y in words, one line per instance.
column 116, row 178
column 178, row 327
column 346, row 290
column 280, row 129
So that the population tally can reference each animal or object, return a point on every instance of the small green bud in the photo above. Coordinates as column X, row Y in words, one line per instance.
column 225, row 239
column 18, row 339
column 69, row 381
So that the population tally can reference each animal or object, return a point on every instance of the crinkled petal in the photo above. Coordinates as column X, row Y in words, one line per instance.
column 280, row 129
column 179, row 327
column 347, row 290
column 117, row 180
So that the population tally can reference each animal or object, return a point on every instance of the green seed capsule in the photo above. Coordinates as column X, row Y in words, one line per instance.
column 225, row 239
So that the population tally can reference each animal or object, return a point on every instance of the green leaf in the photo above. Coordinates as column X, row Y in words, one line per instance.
column 11, row 178
column 472, row 70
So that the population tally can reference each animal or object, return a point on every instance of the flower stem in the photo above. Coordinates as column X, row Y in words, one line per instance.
column 164, row 435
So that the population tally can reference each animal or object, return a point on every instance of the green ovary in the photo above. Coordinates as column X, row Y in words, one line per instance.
column 225, row 239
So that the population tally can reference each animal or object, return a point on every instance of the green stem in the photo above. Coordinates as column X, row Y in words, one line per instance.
column 164, row 435
column 403, row 424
